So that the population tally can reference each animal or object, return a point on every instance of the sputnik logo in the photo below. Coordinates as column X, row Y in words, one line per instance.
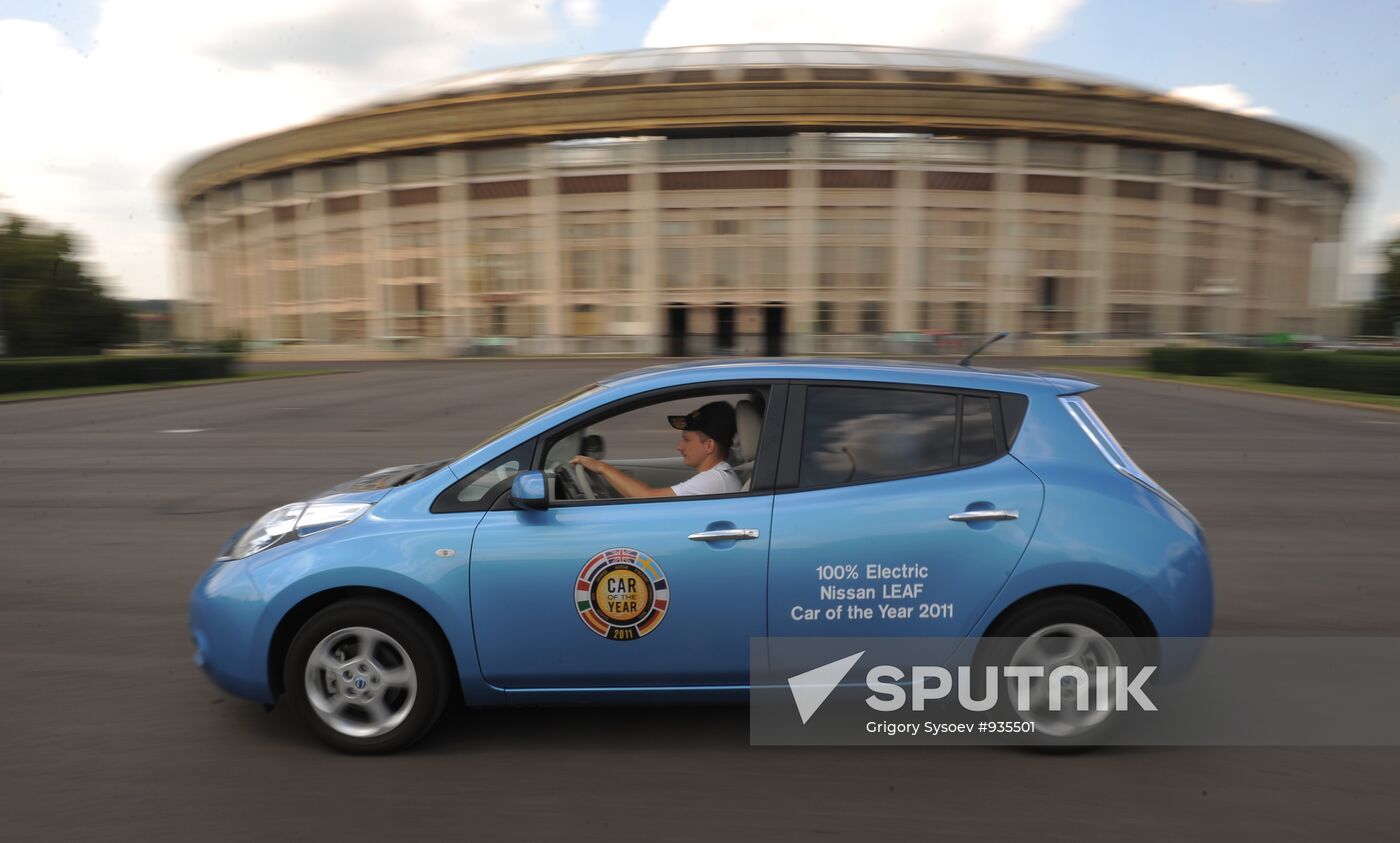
column 810, row 689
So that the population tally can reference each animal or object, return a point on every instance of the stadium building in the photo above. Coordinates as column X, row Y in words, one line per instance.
column 763, row 198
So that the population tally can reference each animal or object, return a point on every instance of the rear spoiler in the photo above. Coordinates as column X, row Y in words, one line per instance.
column 1066, row 385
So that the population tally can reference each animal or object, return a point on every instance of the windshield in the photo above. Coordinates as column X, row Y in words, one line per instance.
column 531, row 416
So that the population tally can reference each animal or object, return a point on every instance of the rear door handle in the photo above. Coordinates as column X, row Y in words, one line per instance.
column 737, row 534
column 986, row 515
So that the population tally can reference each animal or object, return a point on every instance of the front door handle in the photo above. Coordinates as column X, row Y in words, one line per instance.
column 737, row 534
column 986, row 515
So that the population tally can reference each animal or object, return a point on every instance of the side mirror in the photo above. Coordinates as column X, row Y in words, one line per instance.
column 529, row 490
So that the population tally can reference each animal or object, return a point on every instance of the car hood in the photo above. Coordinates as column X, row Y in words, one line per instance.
column 375, row 485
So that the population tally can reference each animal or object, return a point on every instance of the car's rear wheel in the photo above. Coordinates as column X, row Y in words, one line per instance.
column 366, row 677
column 1063, row 631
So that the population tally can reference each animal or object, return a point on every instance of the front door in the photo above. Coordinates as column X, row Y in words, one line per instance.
column 618, row 594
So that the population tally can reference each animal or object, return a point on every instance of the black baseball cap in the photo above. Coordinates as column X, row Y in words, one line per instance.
column 715, row 420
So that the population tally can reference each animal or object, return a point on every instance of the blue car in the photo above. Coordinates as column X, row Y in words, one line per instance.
column 627, row 541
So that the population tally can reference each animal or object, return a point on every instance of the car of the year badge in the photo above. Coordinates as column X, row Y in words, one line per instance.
column 626, row 543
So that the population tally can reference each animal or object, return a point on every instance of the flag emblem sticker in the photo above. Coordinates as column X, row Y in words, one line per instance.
column 621, row 594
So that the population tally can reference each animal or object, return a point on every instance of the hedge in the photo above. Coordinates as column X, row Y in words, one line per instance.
column 1352, row 371
column 1203, row 361
column 21, row 375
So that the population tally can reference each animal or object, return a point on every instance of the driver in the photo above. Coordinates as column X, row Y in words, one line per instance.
column 706, row 436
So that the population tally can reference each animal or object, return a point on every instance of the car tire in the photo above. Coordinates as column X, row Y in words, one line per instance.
column 367, row 677
column 1022, row 635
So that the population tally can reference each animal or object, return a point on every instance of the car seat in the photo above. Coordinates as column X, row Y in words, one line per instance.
column 748, row 422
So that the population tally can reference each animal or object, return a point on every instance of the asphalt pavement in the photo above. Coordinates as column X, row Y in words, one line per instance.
column 112, row 506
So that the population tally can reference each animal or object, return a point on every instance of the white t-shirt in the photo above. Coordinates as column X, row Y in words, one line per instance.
column 720, row 480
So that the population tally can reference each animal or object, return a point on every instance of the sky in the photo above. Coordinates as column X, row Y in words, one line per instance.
column 103, row 100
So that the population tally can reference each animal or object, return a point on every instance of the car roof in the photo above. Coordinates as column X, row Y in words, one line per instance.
column 811, row 368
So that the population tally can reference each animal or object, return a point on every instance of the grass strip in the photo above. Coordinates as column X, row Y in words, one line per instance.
column 73, row 392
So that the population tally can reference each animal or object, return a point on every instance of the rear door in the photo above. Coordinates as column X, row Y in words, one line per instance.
column 903, row 514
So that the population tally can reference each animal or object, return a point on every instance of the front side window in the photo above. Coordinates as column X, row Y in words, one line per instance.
column 639, row 452
column 480, row 489
column 576, row 395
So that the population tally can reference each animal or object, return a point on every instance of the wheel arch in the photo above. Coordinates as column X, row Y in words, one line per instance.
column 1125, row 608
column 308, row 606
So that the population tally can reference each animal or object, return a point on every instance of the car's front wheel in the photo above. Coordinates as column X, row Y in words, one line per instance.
column 366, row 677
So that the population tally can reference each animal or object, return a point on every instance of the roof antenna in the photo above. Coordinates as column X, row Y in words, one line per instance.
column 978, row 350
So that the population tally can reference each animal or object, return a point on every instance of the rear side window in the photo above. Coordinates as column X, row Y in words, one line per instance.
column 855, row 434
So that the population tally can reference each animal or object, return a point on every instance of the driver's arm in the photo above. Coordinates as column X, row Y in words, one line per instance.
column 627, row 486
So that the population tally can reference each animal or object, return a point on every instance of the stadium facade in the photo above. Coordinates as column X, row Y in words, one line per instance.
column 763, row 198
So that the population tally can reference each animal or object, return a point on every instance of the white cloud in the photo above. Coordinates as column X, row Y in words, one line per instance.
column 1391, row 222
column 1007, row 27
column 581, row 12
column 90, row 138
column 1224, row 97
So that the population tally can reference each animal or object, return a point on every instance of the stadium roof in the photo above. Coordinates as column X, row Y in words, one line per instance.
column 723, row 58
column 773, row 88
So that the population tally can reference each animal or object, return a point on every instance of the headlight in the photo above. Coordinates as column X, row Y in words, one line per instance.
column 323, row 516
column 300, row 518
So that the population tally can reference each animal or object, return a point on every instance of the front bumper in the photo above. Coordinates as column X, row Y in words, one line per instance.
column 224, row 611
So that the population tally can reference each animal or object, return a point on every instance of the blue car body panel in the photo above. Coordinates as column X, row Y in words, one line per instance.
column 500, row 584
column 943, row 574
column 530, row 634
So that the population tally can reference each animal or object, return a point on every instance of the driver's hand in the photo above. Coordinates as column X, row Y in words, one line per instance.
column 589, row 463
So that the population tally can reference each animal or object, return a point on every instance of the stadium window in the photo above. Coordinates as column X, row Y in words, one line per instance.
column 872, row 317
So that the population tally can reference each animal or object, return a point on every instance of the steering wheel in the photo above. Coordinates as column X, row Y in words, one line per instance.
column 573, row 485
column 584, row 483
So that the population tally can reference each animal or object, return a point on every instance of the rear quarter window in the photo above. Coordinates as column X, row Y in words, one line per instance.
column 979, row 431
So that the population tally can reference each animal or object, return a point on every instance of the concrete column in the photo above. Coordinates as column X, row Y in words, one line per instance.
column 908, row 193
column 1006, row 266
column 374, row 229
column 210, row 305
column 1233, row 258
column 1096, row 218
column 1243, row 176
column 310, row 226
column 253, row 286
column 254, row 278
column 646, row 243
column 804, row 196
column 1328, row 258
column 454, row 245
column 1172, row 241
column 544, row 202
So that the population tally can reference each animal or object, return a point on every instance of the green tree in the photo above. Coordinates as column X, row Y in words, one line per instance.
column 1379, row 317
column 49, row 305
